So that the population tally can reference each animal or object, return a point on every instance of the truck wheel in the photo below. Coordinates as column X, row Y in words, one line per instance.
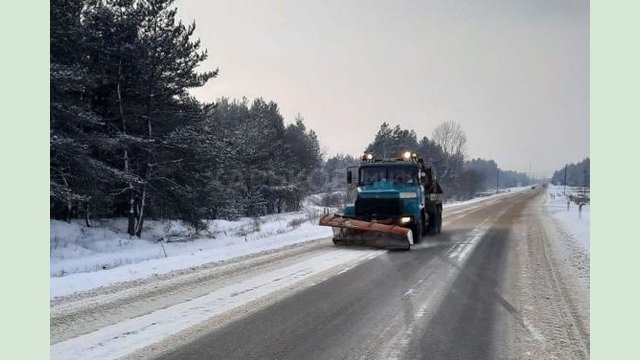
column 416, row 229
column 425, row 225
column 432, row 226
column 439, row 221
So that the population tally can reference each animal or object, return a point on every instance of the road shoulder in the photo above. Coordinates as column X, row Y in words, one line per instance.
column 550, row 289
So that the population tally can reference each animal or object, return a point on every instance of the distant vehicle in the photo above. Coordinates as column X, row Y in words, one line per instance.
column 398, row 201
column 533, row 186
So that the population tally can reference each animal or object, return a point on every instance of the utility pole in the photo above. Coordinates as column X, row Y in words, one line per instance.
column 530, row 175
column 565, row 180
column 497, row 180
column 584, row 183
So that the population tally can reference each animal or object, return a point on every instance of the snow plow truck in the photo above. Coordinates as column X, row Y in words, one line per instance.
column 397, row 202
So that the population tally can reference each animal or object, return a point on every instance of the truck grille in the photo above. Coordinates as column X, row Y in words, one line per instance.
column 378, row 208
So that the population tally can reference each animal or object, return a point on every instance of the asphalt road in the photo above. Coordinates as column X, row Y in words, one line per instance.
column 447, row 298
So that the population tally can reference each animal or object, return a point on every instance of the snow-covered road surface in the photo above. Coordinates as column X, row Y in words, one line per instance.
column 124, row 337
column 494, row 284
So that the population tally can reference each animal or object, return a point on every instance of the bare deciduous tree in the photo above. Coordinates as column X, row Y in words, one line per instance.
column 450, row 136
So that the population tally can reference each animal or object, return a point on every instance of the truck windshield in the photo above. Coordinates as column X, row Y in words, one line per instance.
column 402, row 174
column 369, row 175
column 395, row 174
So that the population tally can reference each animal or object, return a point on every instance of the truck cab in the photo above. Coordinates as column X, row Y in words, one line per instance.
column 402, row 192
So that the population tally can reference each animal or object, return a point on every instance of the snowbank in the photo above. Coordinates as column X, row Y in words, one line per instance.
column 573, row 221
column 83, row 258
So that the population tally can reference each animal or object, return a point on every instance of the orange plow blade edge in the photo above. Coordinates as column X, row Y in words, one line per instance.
column 347, row 231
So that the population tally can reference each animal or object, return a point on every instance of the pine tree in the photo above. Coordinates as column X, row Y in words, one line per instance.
column 392, row 142
column 164, row 68
column 80, row 135
column 120, row 71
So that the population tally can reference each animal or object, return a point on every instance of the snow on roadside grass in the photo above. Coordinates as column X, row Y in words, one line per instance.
column 576, row 223
column 83, row 258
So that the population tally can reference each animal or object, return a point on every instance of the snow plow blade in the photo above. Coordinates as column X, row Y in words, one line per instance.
column 348, row 231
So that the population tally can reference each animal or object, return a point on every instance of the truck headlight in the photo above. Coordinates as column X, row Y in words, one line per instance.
column 408, row 195
column 405, row 219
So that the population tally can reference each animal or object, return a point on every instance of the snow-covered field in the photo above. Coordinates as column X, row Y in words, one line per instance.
column 83, row 258
column 574, row 221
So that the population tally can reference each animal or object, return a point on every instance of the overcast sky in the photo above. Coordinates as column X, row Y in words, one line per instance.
column 513, row 73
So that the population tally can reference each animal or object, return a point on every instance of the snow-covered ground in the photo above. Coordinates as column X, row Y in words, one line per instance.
column 83, row 258
column 573, row 221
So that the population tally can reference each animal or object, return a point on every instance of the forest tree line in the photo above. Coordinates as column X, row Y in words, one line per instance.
column 577, row 174
column 126, row 139
column 445, row 151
